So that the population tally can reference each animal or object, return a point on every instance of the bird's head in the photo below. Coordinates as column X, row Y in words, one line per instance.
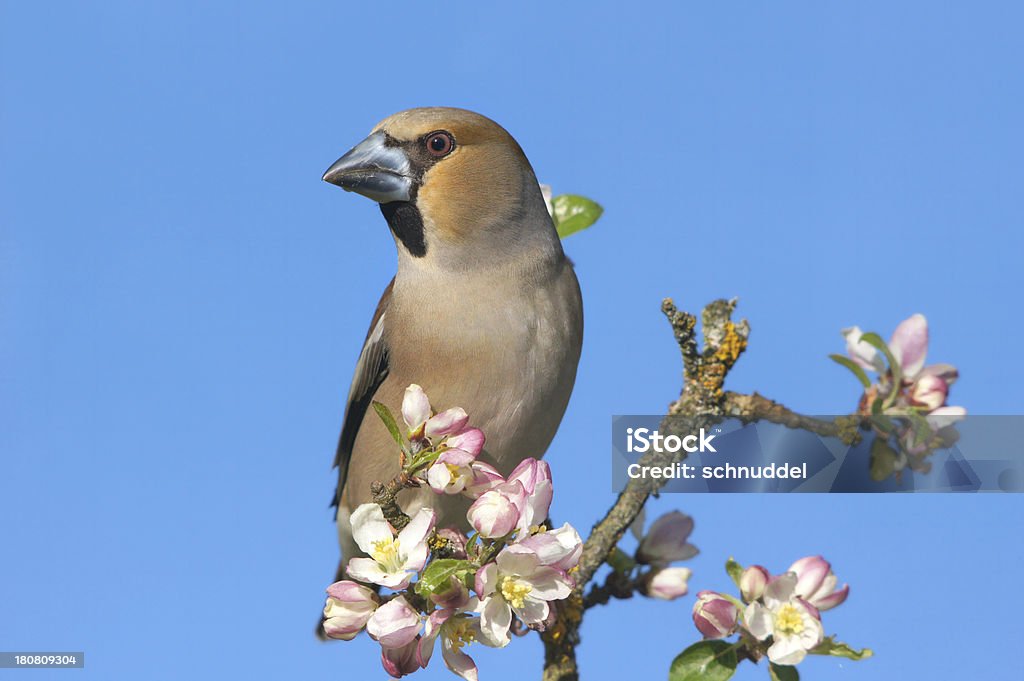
column 452, row 184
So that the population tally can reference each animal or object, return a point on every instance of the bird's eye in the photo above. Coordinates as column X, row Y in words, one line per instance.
column 440, row 144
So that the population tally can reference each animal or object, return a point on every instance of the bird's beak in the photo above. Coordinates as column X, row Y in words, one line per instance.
column 373, row 169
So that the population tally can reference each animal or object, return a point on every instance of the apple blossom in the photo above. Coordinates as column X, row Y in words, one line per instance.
column 348, row 608
column 665, row 542
column 752, row 583
column 863, row 353
column 415, row 410
column 448, row 422
column 392, row 560
column 497, row 511
column 394, row 624
column 816, row 583
column 518, row 581
column 714, row 615
column 535, row 477
column 793, row 623
column 469, row 440
column 400, row 661
column 909, row 344
column 560, row 548
column 451, row 472
column 667, row 583
column 485, row 477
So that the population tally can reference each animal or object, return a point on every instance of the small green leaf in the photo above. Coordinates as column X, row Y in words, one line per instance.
column 621, row 562
column 780, row 672
column 439, row 573
column 704, row 661
column 735, row 570
column 574, row 213
column 894, row 366
column 854, row 367
column 830, row 646
column 922, row 431
column 389, row 421
column 883, row 460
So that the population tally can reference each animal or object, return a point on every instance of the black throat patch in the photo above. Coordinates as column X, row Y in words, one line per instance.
column 405, row 221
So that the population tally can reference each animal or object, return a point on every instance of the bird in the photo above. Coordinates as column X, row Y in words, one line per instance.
column 484, row 310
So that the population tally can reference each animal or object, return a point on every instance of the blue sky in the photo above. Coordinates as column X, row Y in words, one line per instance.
column 182, row 300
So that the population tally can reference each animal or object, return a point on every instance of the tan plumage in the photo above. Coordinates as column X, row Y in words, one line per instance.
column 484, row 311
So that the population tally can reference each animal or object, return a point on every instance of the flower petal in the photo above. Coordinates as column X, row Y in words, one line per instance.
column 909, row 344
column 415, row 407
column 369, row 526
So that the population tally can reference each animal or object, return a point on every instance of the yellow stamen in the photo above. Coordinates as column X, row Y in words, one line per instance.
column 788, row 620
column 385, row 552
column 515, row 591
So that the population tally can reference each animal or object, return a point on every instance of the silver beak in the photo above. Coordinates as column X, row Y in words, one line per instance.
column 373, row 169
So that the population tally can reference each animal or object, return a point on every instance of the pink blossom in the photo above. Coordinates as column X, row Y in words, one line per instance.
column 348, row 608
column 665, row 541
column 817, row 584
column 714, row 615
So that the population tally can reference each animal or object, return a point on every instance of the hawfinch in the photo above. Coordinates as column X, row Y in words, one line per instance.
column 484, row 312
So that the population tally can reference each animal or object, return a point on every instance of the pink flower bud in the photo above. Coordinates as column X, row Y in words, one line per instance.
column 415, row 408
column 909, row 344
column 666, row 540
column 469, row 440
column 863, row 354
column 348, row 608
column 400, row 661
column 535, row 477
column 485, row 477
column 448, row 422
column 496, row 512
column 752, row 583
column 929, row 392
column 560, row 548
column 714, row 615
column 394, row 624
column 816, row 584
column 667, row 583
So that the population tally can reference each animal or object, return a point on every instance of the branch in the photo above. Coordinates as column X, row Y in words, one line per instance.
column 699, row 405
column 751, row 408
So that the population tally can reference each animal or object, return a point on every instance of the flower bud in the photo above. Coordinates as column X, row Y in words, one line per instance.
column 349, row 606
column 448, row 422
column 862, row 353
column 666, row 540
column 394, row 624
column 667, row 583
column 398, row 662
column 415, row 410
column 929, row 392
column 752, row 583
column 497, row 511
column 714, row 615
column 535, row 477
column 909, row 344
column 469, row 440
column 816, row 583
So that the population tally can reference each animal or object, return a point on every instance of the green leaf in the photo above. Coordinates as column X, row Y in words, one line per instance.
column 574, row 213
column 621, row 562
column 854, row 367
column 704, row 661
column 894, row 367
column 439, row 573
column 779, row 672
column 735, row 570
column 922, row 430
column 389, row 421
column 883, row 460
column 830, row 646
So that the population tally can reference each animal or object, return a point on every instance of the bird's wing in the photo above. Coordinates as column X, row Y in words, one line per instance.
column 371, row 370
